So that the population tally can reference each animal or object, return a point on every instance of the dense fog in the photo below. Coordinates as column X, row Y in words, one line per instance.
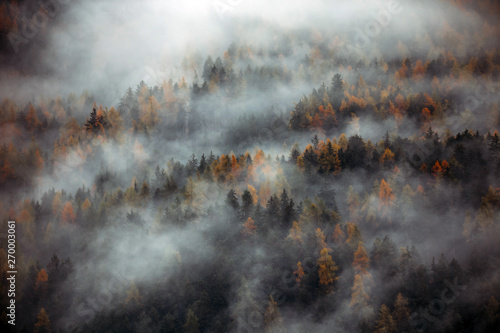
column 250, row 166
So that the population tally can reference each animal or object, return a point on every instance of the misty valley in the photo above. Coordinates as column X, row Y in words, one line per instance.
column 234, row 166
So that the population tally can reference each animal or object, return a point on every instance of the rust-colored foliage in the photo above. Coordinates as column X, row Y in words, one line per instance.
column 68, row 215
column 386, row 197
column 295, row 234
column 249, row 227
column 299, row 272
column 338, row 235
column 326, row 269
column 361, row 261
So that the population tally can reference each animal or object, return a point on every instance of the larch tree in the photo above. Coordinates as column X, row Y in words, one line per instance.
column 338, row 234
column 386, row 197
column 354, row 235
column 249, row 228
column 361, row 261
column 326, row 270
column 320, row 239
column 385, row 322
column 387, row 158
column 43, row 323
column 41, row 283
column 57, row 204
column 295, row 234
column 401, row 313
column 68, row 214
column 359, row 298
column 86, row 205
column 272, row 317
column 299, row 272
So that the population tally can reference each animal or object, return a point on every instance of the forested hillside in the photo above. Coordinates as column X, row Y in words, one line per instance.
column 335, row 170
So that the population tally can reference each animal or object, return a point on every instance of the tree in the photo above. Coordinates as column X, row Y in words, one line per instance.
column 41, row 283
column 299, row 272
column 68, row 215
column 338, row 235
column 191, row 325
column 401, row 313
column 249, row 227
column 232, row 199
column 492, row 311
column 386, row 197
column 295, row 234
column 320, row 239
column 353, row 235
column 246, row 203
column 384, row 256
column 96, row 123
column 43, row 323
column 387, row 158
column 494, row 145
column 385, row 322
column 361, row 260
column 272, row 316
column 144, row 189
column 326, row 270
column 359, row 298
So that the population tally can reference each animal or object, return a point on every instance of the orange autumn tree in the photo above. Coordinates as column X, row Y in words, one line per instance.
column 41, row 283
column 436, row 169
column 295, row 234
column 32, row 119
column 353, row 235
column 326, row 270
column 386, row 197
column 249, row 227
column 338, row 235
column 299, row 272
column 68, row 215
column 387, row 157
column 361, row 261
column 86, row 205
column 43, row 323
column 320, row 239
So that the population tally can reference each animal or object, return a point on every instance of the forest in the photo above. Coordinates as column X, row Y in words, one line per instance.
column 238, row 166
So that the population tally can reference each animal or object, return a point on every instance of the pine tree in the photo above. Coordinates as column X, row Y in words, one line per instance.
column 232, row 199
